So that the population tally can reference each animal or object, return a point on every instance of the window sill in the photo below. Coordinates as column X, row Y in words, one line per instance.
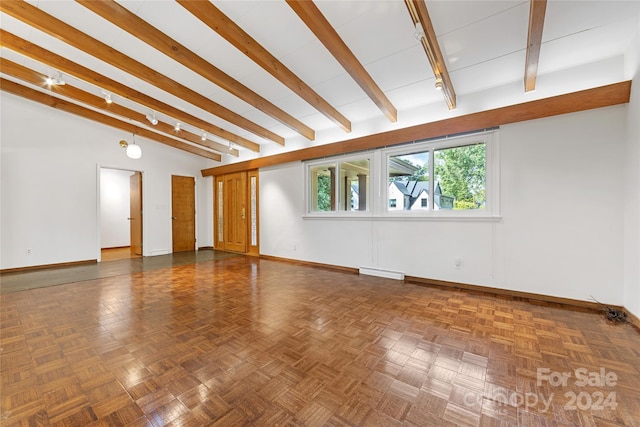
column 368, row 216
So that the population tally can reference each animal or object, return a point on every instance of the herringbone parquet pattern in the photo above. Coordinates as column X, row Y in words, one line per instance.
column 243, row 341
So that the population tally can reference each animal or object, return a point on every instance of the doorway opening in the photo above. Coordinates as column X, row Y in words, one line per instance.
column 120, row 214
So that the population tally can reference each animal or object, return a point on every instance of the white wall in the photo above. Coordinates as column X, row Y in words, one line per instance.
column 569, row 226
column 632, row 183
column 561, row 231
column 114, row 208
column 49, row 185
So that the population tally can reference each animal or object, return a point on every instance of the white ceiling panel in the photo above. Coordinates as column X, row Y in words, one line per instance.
column 483, row 43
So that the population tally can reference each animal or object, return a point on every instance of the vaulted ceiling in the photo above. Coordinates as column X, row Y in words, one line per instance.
column 229, row 80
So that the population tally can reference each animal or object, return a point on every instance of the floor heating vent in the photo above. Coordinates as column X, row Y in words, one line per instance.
column 389, row 274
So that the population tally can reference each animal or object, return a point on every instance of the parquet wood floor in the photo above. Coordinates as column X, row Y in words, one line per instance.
column 38, row 278
column 112, row 254
column 243, row 341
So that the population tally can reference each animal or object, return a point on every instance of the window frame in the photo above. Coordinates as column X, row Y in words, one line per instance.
column 492, row 206
column 336, row 161
column 378, row 185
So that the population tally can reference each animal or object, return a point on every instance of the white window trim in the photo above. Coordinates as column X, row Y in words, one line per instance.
column 378, row 183
column 491, row 140
column 337, row 160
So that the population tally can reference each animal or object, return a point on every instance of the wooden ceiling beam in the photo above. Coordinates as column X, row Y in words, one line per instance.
column 603, row 96
column 60, row 104
column 537, row 10
column 78, row 95
column 46, row 57
column 420, row 14
column 320, row 26
column 136, row 26
column 230, row 31
column 37, row 18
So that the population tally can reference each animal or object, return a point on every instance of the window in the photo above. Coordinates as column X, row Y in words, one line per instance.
column 461, row 176
column 344, row 190
column 455, row 172
column 322, row 187
column 448, row 177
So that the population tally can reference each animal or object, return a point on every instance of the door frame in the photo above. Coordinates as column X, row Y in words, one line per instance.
column 98, row 208
column 218, row 208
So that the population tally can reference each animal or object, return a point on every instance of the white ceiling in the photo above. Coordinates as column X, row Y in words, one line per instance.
column 483, row 42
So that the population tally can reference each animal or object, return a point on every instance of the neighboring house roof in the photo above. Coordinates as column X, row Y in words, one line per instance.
column 413, row 189
column 402, row 187
column 399, row 167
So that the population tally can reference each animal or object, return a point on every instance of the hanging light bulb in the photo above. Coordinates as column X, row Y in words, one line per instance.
column 133, row 150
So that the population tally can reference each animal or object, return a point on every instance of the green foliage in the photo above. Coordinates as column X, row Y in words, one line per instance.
column 422, row 174
column 324, row 193
column 461, row 172
column 463, row 205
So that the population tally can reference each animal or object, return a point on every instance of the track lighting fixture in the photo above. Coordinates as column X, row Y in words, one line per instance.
column 204, row 136
column 439, row 83
column 177, row 126
column 419, row 32
column 133, row 150
column 152, row 118
column 107, row 97
column 55, row 81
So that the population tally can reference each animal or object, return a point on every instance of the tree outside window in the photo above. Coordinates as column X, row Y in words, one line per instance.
column 461, row 173
column 339, row 186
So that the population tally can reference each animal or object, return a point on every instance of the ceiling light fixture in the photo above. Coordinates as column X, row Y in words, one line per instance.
column 53, row 81
column 438, row 83
column 427, row 37
column 133, row 150
column 204, row 136
column 177, row 126
column 152, row 118
column 419, row 32
column 107, row 97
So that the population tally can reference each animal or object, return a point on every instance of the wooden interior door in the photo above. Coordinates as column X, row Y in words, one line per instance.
column 235, row 212
column 183, row 213
column 135, row 213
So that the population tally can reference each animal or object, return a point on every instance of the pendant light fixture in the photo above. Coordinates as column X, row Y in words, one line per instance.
column 133, row 150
